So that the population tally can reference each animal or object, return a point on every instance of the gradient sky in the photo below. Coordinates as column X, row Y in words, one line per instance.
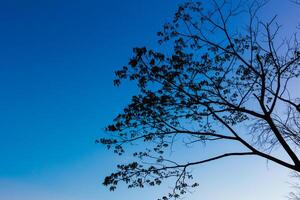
column 57, row 59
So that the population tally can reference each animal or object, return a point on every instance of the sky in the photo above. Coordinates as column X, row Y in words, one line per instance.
column 56, row 95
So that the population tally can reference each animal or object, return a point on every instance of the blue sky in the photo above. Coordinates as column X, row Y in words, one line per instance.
column 56, row 95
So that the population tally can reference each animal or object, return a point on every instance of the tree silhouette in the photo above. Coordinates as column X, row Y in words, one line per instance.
column 218, row 80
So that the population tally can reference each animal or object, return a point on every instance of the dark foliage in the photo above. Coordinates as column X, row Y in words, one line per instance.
column 217, row 78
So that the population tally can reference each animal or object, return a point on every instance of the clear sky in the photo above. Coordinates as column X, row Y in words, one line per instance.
column 57, row 59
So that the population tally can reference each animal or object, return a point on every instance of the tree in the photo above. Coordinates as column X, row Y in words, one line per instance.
column 219, row 81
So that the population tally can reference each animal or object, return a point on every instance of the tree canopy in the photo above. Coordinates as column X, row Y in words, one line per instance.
column 223, row 78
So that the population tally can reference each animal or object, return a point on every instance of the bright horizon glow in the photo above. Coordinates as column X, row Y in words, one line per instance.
column 56, row 68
